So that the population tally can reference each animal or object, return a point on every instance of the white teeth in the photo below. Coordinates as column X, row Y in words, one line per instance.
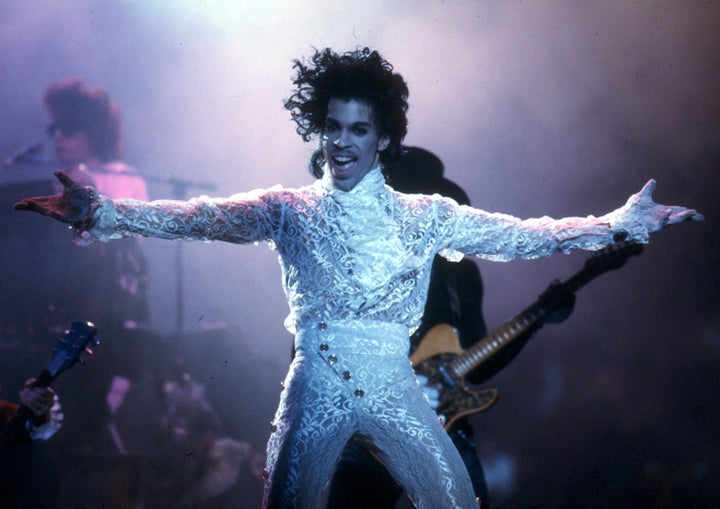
column 343, row 159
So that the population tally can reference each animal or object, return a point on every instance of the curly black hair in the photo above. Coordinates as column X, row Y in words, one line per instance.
column 361, row 75
column 77, row 107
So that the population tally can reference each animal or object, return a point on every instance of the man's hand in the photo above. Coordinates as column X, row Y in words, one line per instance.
column 641, row 210
column 73, row 206
column 38, row 400
column 432, row 391
column 558, row 302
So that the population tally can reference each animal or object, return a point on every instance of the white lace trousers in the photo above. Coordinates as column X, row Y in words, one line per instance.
column 353, row 381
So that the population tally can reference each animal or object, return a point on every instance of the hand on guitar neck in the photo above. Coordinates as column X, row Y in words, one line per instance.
column 39, row 400
column 441, row 364
column 38, row 416
column 557, row 301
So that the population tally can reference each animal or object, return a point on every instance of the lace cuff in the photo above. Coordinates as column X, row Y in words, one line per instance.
column 98, row 225
column 623, row 221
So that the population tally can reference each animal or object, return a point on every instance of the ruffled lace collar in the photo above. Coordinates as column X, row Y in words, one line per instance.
column 371, row 235
column 371, row 184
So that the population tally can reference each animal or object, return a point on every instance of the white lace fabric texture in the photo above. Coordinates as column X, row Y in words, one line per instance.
column 362, row 254
column 355, row 269
column 352, row 380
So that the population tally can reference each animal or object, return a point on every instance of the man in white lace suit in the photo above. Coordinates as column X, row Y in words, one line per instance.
column 356, row 258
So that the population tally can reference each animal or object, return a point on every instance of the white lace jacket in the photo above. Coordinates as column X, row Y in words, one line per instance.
column 362, row 254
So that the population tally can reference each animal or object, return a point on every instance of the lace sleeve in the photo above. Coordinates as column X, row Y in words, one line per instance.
column 242, row 218
column 501, row 237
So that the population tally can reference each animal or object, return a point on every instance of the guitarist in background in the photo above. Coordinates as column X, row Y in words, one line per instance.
column 454, row 298
column 44, row 406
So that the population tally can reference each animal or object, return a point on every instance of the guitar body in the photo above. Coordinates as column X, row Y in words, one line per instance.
column 440, row 339
column 437, row 349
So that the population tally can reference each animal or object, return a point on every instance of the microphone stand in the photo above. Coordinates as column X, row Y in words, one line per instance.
column 179, row 192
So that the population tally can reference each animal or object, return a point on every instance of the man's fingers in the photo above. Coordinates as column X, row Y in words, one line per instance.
column 40, row 206
column 648, row 188
column 692, row 215
column 682, row 214
column 64, row 179
column 29, row 204
column 22, row 205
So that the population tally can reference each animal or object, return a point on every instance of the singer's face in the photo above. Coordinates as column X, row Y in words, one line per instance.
column 351, row 142
column 72, row 148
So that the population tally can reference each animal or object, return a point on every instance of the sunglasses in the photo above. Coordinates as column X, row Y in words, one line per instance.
column 67, row 130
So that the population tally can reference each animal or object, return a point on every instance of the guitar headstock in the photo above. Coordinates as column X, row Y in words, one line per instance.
column 612, row 257
column 75, row 341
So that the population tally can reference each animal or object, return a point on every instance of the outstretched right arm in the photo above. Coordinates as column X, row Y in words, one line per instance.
column 240, row 219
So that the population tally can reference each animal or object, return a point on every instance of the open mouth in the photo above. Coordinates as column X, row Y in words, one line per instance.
column 343, row 161
column 343, row 165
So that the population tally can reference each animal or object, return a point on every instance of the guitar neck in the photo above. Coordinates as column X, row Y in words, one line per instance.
column 511, row 330
column 496, row 340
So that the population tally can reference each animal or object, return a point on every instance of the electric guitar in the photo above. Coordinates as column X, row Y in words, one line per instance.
column 440, row 357
column 65, row 355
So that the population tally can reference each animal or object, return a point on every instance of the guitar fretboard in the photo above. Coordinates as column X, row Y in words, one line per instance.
column 612, row 257
column 496, row 340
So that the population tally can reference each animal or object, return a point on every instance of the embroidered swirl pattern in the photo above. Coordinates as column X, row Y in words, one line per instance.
column 355, row 270
column 331, row 267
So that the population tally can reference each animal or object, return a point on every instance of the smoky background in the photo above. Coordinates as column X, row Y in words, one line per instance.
column 536, row 108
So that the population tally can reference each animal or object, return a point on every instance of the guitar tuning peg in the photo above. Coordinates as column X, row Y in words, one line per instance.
column 89, row 351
